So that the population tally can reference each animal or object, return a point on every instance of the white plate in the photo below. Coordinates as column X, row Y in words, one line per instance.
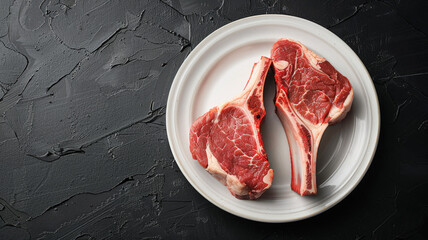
column 218, row 69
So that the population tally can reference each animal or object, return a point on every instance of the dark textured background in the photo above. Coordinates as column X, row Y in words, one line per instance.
column 83, row 147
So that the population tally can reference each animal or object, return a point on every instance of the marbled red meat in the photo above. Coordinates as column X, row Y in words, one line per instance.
column 311, row 94
column 227, row 140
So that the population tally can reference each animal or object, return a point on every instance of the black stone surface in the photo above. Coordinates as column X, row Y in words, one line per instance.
column 83, row 147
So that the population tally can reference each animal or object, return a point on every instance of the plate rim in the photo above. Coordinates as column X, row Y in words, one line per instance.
column 371, row 93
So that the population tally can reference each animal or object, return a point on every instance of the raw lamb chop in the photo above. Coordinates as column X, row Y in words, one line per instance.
column 311, row 94
column 227, row 141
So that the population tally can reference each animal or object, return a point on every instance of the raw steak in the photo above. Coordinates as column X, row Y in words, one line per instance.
column 311, row 94
column 227, row 141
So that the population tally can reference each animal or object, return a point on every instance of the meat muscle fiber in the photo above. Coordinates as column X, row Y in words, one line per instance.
column 227, row 140
column 311, row 94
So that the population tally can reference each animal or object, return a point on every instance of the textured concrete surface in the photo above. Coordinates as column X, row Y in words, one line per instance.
column 83, row 147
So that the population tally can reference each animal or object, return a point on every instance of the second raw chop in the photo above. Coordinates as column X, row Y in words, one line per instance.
column 227, row 140
column 311, row 94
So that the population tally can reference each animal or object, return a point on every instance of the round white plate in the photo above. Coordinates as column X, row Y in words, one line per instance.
column 218, row 69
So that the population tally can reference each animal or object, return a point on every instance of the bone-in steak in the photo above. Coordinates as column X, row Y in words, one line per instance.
column 311, row 94
column 227, row 141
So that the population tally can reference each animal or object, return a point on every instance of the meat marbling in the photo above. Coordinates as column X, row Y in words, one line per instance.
column 311, row 94
column 227, row 140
